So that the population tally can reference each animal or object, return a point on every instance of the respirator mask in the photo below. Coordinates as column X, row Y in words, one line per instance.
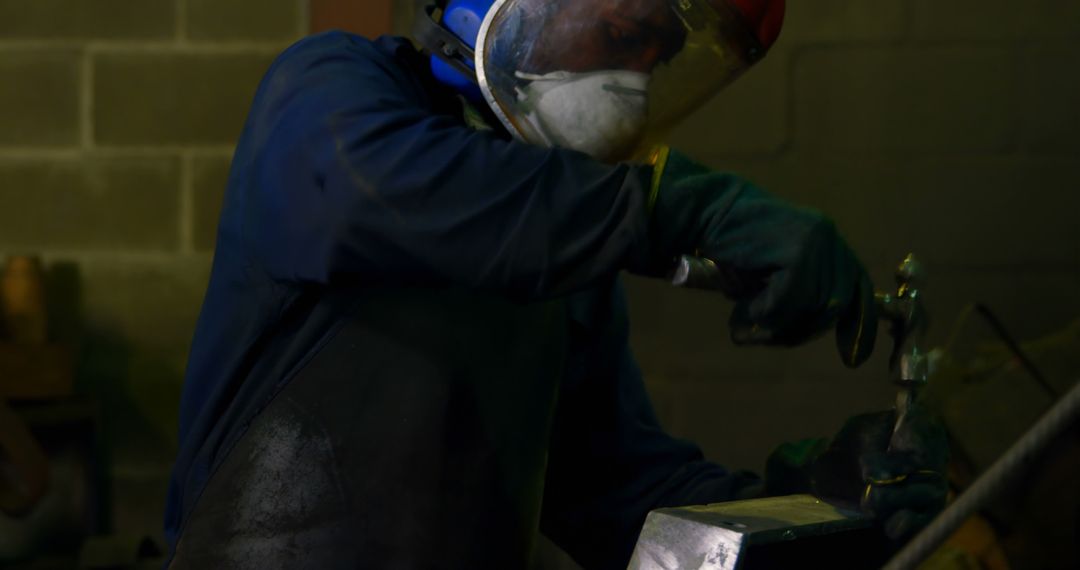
column 609, row 78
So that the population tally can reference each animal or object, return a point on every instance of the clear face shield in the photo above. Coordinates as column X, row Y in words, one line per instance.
column 608, row 77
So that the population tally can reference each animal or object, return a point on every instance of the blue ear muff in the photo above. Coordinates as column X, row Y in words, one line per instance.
column 462, row 18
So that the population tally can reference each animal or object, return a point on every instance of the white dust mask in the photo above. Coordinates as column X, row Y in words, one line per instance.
column 601, row 113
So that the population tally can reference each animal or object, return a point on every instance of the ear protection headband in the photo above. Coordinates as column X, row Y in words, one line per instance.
column 451, row 42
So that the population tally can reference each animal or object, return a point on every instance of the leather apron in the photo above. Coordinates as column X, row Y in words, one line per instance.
column 416, row 438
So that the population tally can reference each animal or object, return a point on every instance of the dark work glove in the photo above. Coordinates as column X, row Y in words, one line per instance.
column 899, row 479
column 789, row 272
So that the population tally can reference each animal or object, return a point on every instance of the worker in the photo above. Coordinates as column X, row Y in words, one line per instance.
column 413, row 350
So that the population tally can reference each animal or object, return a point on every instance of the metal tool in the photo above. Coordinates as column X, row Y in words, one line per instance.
column 903, row 311
column 782, row 532
column 906, row 316
column 795, row 531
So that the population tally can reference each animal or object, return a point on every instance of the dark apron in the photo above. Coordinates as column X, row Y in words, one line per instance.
column 416, row 438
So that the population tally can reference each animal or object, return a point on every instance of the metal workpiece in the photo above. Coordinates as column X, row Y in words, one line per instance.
column 906, row 316
column 909, row 364
column 797, row 530
column 758, row 533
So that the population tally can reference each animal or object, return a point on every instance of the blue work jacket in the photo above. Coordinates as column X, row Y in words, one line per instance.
column 356, row 170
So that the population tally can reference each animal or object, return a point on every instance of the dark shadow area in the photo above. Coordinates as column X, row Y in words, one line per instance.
column 107, row 460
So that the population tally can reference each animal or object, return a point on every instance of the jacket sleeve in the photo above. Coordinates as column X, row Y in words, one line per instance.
column 609, row 461
column 354, row 175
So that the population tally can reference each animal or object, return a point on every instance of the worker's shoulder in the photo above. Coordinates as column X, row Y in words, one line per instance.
column 337, row 47
column 339, row 60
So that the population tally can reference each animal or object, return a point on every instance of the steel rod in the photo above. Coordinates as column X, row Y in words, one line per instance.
column 1018, row 457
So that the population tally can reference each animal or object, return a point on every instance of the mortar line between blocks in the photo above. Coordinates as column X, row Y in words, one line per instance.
column 906, row 38
column 304, row 21
column 95, row 47
column 181, row 22
column 187, row 203
column 77, row 152
column 149, row 257
column 86, row 101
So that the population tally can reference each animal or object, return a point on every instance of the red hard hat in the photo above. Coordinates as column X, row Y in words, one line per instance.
column 765, row 16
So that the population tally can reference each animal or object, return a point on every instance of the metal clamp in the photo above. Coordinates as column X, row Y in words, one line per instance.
column 904, row 311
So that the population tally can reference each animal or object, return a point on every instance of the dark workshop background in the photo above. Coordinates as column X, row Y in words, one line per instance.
column 945, row 128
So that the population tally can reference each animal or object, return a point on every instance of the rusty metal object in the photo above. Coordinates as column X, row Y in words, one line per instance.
column 26, row 480
column 22, row 300
column 31, row 368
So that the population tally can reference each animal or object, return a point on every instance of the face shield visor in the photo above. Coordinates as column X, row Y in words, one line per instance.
column 608, row 77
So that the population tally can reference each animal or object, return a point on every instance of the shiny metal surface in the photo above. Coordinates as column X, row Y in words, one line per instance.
column 722, row 535
column 698, row 273
column 907, row 319
column 904, row 311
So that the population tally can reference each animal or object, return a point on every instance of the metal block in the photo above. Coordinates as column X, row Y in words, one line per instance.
column 775, row 532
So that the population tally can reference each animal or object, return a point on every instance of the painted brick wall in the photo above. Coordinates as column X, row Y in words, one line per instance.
column 117, row 121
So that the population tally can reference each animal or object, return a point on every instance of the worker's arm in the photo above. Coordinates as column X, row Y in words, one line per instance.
column 362, row 178
column 356, row 172
column 610, row 462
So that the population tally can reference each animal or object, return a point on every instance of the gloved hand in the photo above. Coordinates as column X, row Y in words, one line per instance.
column 899, row 479
column 789, row 272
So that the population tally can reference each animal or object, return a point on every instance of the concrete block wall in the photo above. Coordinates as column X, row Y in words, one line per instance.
column 117, row 122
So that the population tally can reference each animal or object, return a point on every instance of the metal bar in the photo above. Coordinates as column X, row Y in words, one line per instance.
column 1019, row 456
column 999, row 328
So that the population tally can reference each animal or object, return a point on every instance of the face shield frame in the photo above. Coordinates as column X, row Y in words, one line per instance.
column 720, row 21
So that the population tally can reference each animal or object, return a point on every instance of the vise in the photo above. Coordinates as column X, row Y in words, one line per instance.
column 796, row 530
